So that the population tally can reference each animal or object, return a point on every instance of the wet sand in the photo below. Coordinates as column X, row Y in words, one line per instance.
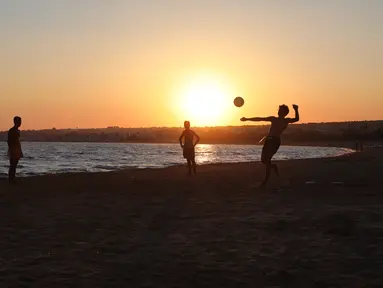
column 158, row 228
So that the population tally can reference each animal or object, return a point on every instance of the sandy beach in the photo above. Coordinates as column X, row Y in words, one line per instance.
column 320, row 224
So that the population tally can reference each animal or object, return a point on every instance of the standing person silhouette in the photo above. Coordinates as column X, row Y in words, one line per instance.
column 188, row 147
column 273, row 140
column 14, row 149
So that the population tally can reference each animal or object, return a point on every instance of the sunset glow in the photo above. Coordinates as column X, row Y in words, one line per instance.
column 93, row 64
column 204, row 102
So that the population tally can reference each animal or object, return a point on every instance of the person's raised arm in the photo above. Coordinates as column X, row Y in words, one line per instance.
column 180, row 139
column 271, row 118
column 197, row 138
column 296, row 118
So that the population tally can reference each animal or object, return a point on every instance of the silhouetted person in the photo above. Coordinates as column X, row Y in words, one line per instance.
column 273, row 140
column 14, row 149
column 188, row 147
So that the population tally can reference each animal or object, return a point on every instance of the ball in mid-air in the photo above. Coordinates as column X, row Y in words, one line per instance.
column 238, row 101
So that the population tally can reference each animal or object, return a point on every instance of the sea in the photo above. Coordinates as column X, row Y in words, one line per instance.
column 52, row 158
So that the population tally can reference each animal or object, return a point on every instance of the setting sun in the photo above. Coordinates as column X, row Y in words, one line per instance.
column 204, row 102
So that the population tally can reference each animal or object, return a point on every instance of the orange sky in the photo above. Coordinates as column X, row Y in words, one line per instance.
column 67, row 64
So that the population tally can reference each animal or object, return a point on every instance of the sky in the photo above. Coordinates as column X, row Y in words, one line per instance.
column 93, row 64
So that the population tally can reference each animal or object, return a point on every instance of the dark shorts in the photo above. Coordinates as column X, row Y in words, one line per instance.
column 270, row 148
column 189, row 153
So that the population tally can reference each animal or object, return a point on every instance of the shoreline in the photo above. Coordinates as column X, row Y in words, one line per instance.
column 347, row 152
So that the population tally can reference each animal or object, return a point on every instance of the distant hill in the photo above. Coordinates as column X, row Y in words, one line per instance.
column 297, row 133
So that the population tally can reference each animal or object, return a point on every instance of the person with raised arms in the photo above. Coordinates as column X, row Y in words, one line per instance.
column 273, row 139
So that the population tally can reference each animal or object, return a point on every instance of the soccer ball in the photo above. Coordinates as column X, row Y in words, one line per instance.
column 238, row 101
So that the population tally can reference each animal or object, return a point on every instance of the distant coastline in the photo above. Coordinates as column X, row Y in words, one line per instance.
column 336, row 134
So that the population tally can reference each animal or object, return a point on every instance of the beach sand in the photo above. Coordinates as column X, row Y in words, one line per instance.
column 158, row 228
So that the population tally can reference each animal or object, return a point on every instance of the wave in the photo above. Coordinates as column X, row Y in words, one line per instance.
column 105, row 167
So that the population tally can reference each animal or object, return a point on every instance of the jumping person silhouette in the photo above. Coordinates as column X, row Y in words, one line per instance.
column 188, row 147
column 273, row 140
column 14, row 149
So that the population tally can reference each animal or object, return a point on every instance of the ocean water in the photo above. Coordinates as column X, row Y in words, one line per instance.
column 51, row 158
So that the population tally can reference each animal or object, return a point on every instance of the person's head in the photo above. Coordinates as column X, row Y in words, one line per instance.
column 283, row 110
column 187, row 125
column 17, row 121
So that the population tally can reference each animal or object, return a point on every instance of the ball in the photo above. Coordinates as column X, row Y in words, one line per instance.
column 238, row 101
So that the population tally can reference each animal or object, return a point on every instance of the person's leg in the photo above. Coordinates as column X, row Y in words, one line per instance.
column 276, row 145
column 269, row 149
column 267, row 162
column 267, row 173
column 265, row 159
column 275, row 168
column 194, row 166
column 187, row 157
column 192, row 158
column 12, row 169
column 189, row 167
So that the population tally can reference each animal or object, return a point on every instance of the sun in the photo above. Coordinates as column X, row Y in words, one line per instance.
column 204, row 102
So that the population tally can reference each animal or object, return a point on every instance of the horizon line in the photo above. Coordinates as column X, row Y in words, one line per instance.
column 198, row 127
